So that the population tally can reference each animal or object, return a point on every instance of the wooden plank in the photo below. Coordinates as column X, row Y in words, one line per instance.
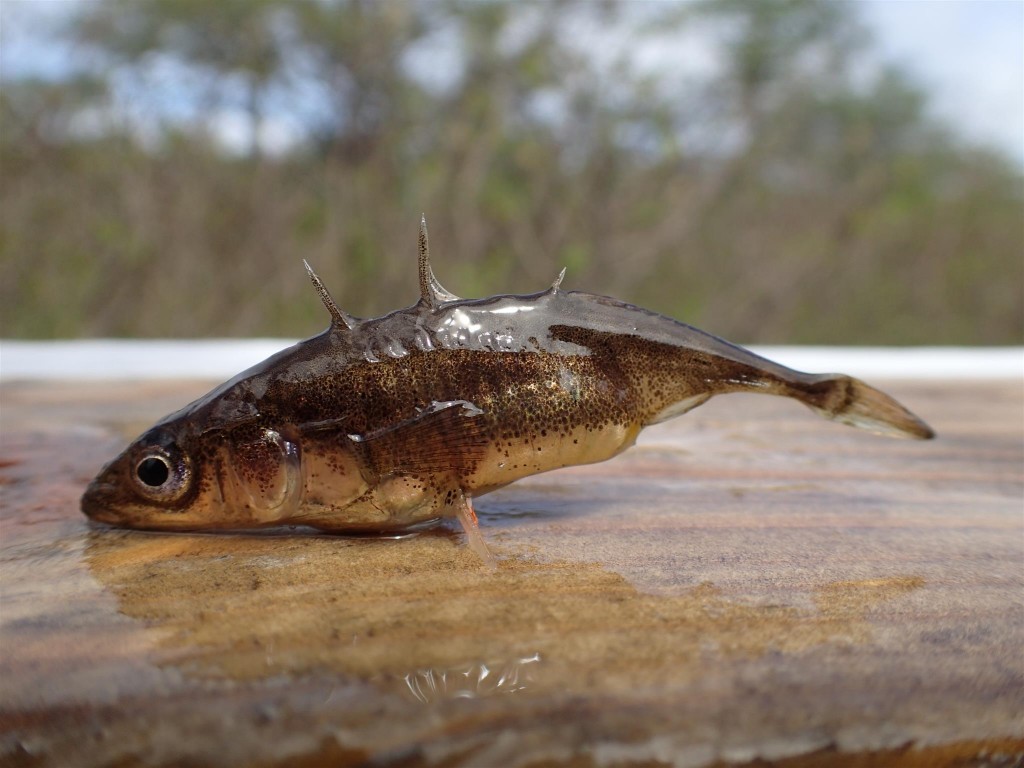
column 749, row 583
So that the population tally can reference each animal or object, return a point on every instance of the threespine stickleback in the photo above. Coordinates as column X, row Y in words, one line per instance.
column 385, row 424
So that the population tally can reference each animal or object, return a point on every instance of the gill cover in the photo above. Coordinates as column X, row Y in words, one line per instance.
column 265, row 470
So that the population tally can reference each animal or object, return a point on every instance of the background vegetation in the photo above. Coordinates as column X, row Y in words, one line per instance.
column 781, row 190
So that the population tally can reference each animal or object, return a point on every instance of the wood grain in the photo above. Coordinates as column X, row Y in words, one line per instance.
column 748, row 586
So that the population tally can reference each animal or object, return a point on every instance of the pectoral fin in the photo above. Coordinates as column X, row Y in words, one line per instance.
column 445, row 438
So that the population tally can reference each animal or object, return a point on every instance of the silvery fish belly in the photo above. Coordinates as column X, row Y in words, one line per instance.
column 379, row 425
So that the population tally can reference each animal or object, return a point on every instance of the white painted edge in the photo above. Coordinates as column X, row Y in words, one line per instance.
column 147, row 359
column 932, row 363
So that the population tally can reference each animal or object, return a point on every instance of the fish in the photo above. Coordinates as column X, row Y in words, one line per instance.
column 393, row 423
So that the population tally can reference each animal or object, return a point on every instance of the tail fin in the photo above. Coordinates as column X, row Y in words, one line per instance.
column 851, row 401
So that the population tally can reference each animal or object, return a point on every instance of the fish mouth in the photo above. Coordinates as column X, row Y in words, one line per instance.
column 103, row 502
column 99, row 502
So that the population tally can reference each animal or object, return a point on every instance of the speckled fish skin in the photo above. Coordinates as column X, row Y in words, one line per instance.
column 383, row 424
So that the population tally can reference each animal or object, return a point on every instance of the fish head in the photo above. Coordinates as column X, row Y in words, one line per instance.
column 176, row 478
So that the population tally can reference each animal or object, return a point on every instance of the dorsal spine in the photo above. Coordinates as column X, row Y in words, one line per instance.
column 432, row 293
column 339, row 319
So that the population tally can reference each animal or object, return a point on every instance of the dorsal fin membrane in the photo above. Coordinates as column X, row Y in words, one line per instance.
column 431, row 291
column 338, row 318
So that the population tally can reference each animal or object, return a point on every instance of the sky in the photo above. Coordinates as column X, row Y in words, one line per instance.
column 968, row 55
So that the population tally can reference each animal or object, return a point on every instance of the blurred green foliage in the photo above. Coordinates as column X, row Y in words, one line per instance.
column 789, row 195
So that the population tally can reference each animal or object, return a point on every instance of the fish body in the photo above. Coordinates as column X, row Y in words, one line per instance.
column 384, row 424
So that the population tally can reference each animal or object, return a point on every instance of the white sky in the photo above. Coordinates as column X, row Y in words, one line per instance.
column 969, row 54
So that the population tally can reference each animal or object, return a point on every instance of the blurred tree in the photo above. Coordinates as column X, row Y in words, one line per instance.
column 354, row 52
column 38, row 113
column 788, row 194
column 239, row 43
column 775, row 46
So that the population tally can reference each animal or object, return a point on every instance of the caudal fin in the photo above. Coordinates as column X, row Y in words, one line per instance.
column 851, row 401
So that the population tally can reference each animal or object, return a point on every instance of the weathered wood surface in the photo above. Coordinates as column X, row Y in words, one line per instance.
column 750, row 585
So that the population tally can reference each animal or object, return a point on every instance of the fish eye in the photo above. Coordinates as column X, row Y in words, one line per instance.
column 153, row 471
column 162, row 472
